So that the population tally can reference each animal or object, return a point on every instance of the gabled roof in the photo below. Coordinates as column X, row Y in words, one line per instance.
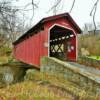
column 51, row 18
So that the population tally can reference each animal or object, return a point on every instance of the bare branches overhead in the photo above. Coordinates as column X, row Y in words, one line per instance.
column 9, row 20
column 72, row 6
column 33, row 4
column 10, row 14
column 57, row 2
column 93, row 13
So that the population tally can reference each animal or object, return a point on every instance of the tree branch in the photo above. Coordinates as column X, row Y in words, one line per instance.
column 55, row 6
column 72, row 6
column 93, row 13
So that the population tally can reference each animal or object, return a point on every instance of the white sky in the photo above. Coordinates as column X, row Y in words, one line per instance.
column 80, row 12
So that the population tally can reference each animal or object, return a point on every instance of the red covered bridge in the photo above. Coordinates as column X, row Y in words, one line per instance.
column 53, row 36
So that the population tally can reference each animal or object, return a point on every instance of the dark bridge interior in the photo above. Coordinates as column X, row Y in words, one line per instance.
column 59, row 37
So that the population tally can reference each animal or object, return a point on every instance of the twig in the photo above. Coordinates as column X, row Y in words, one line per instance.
column 94, row 13
column 54, row 6
column 72, row 6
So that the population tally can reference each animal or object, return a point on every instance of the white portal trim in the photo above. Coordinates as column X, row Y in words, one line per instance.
column 65, row 28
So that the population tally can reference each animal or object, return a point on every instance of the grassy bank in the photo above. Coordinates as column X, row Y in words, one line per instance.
column 29, row 91
column 89, row 42
column 94, row 57
column 42, row 86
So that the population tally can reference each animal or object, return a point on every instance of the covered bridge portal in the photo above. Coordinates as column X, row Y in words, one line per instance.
column 62, row 43
column 54, row 36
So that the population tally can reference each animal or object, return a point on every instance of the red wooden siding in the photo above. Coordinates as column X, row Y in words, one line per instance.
column 72, row 55
column 31, row 50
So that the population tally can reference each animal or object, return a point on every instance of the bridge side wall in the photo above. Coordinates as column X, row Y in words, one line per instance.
column 56, row 67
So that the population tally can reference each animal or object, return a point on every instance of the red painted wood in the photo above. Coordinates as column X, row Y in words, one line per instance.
column 32, row 49
column 72, row 54
column 63, row 22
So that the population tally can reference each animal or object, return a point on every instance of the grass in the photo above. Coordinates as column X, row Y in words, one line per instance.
column 42, row 86
column 89, row 42
column 3, row 59
column 29, row 91
column 94, row 57
column 82, row 93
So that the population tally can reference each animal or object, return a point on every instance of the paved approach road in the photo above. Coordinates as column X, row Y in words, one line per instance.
column 86, row 68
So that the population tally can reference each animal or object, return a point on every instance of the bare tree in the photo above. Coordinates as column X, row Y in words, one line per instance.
column 9, row 21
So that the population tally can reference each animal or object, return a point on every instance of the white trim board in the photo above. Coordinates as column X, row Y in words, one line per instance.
column 65, row 28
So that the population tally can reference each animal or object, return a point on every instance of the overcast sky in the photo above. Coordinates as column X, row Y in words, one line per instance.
column 80, row 12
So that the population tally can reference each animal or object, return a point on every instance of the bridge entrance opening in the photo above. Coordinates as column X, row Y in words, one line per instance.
column 61, row 43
